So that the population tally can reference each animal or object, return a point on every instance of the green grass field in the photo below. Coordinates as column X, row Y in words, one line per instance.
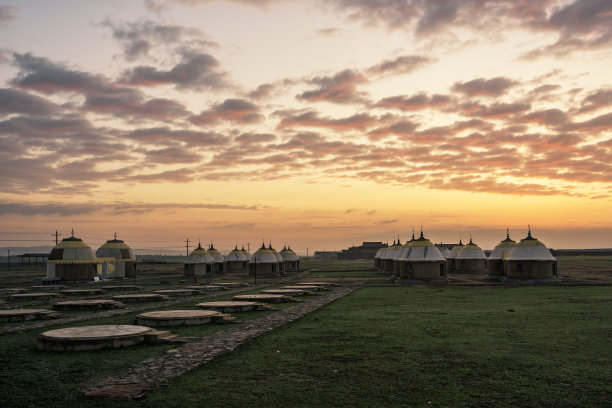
column 405, row 346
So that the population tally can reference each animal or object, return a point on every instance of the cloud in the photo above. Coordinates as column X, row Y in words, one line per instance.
column 599, row 99
column 70, row 209
column 255, row 138
column 547, row 117
column 234, row 110
column 101, row 96
column 404, row 64
column 139, row 38
column 360, row 121
column 171, row 155
column 167, row 136
column 196, row 71
column 14, row 101
column 340, row 88
column 484, row 87
column 7, row 13
column 414, row 102
column 496, row 110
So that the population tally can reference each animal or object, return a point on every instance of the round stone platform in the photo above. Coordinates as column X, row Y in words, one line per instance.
column 12, row 291
column 323, row 284
column 304, row 287
column 122, row 287
column 231, row 285
column 230, row 306
column 178, row 292
column 206, row 288
column 163, row 318
column 49, row 287
column 92, row 337
column 262, row 297
column 18, row 315
column 287, row 292
column 35, row 296
column 141, row 297
column 88, row 304
column 82, row 292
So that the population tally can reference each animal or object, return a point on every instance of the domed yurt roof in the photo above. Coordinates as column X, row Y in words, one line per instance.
column 265, row 255
column 404, row 249
column 455, row 250
column 446, row 253
column 116, row 248
column 471, row 251
column 392, row 250
column 503, row 249
column 278, row 256
column 236, row 255
column 199, row 256
column 72, row 250
column 380, row 252
column 530, row 249
column 423, row 250
column 288, row 255
column 216, row 255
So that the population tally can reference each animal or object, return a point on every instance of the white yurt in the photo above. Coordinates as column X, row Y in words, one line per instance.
column 422, row 260
column 199, row 263
column 236, row 261
column 265, row 261
column 123, row 256
column 495, row 261
column 531, row 259
column 471, row 259
column 72, row 260
column 290, row 259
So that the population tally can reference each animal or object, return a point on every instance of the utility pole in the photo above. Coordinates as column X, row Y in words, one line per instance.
column 249, row 247
column 9, row 260
column 187, row 246
column 56, row 235
column 306, row 253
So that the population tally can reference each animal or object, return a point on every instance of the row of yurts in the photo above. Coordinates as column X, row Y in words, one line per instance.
column 72, row 259
column 421, row 259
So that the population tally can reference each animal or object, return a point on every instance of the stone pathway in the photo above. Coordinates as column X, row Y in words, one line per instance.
column 154, row 371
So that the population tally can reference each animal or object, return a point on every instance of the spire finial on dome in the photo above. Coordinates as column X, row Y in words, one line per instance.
column 115, row 235
column 72, row 233
column 413, row 234
column 421, row 230
column 460, row 243
column 528, row 230
column 263, row 244
column 470, row 240
column 507, row 233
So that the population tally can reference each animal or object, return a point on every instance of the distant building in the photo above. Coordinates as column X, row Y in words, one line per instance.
column 326, row 254
column 367, row 250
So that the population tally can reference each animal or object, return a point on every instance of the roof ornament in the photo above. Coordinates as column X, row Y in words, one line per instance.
column 470, row 240
column 507, row 233
column 421, row 230
column 413, row 233
column 270, row 246
column 72, row 233
column 115, row 235
column 460, row 243
column 528, row 230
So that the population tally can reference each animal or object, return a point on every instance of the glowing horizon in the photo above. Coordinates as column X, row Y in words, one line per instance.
column 319, row 124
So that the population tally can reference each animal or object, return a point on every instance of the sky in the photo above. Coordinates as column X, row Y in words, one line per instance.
column 317, row 124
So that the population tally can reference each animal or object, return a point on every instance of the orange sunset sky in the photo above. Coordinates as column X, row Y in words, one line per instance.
column 319, row 123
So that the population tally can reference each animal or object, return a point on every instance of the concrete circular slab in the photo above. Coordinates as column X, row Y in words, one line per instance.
column 231, row 306
column 304, row 287
column 262, row 297
column 49, row 287
column 181, row 318
column 11, row 291
column 287, row 292
column 82, row 292
column 122, row 287
column 324, row 284
column 35, row 296
column 141, row 297
column 206, row 288
column 92, row 337
column 230, row 285
column 88, row 304
column 178, row 292
column 17, row 315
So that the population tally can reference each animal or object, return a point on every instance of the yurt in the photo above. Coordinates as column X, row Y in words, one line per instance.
column 471, row 259
column 237, row 261
column 377, row 257
column 387, row 258
column 124, row 259
column 495, row 262
column 423, row 261
column 217, row 258
column 451, row 258
column 530, row 259
column 290, row 259
column 199, row 263
column 72, row 260
column 265, row 262
column 399, row 267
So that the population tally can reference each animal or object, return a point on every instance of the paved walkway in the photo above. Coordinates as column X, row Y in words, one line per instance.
column 154, row 371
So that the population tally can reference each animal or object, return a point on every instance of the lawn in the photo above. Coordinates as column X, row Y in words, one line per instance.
column 405, row 346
